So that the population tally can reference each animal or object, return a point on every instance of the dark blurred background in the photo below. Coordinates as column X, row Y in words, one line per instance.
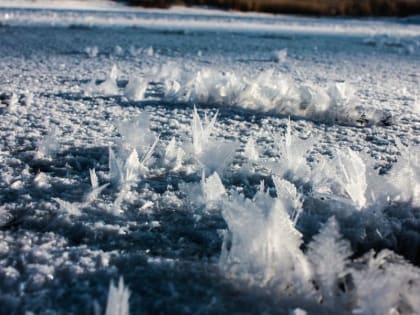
column 307, row 7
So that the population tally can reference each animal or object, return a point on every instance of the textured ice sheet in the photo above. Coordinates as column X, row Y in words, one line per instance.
column 62, row 110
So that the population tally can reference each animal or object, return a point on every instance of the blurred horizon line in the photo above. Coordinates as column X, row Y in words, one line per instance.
column 399, row 8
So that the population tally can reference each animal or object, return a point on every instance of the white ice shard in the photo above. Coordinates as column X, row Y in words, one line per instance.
column 96, row 189
column 292, row 163
column 136, row 88
column 92, row 51
column 212, row 187
column 329, row 255
column 343, row 176
column 280, row 55
column 117, row 303
column 288, row 193
column 262, row 243
column 174, row 155
column 201, row 132
column 48, row 145
column 70, row 208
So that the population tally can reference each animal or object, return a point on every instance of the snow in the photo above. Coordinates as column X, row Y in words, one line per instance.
column 63, row 4
column 221, row 163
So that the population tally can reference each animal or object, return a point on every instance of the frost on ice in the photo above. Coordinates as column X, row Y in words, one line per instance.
column 213, row 189
column 117, row 303
column 267, row 91
column 96, row 189
column 262, row 243
column 329, row 254
column 344, row 175
column 135, row 180
column 211, row 155
column 174, row 155
column 107, row 87
column 280, row 56
column 48, row 145
column 292, row 163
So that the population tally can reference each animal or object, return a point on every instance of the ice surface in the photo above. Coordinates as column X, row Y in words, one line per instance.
column 101, row 166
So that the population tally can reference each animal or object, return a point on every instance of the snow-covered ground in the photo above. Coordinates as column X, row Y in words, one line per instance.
column 220, row 163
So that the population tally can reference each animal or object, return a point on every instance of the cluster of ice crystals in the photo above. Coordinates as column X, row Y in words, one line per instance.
column 267, row 91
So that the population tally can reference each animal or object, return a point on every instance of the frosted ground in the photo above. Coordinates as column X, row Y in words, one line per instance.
column 157, row 146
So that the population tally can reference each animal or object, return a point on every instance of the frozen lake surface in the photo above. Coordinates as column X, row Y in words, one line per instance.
column 221, row 163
